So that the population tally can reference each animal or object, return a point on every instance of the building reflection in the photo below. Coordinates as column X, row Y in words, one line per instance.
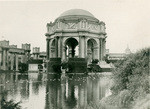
column 73, row 91
column 49, row 91
column 18, row 86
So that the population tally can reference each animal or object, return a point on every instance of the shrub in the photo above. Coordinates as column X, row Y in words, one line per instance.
column 94, row 68
column 95, row 61
column 10, row 104
column 23, row 67
column 132, row 74
column 56, row 68
column 64, row 65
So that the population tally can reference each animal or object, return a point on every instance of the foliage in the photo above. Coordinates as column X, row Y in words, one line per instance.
column 95, row 61
column 92, row 105
column 64, row 65
column 132, row 74
column 10, row 104
column 56, row 68
column 106, row 59
column 23, row 67
column 94, row 68
column 143, row 103
column 40, row 67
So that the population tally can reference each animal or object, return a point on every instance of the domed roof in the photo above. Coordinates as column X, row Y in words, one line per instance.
column 76, row 12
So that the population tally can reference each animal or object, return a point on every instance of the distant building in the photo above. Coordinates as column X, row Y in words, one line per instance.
column 37, row 60
column 113, row 57
column 127, row 50
column 11, row 56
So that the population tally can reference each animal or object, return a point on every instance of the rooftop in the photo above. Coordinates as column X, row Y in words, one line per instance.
column 77, row 12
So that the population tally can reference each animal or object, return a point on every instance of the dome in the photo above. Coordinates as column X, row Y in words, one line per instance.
column 76, row 12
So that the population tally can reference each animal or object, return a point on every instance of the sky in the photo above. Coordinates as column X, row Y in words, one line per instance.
column 127, row 21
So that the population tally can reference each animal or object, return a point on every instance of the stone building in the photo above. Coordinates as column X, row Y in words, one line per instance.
column 36, row 52
column 114, row 57
column 76, row 33
column 37, row 60
column 11, row 56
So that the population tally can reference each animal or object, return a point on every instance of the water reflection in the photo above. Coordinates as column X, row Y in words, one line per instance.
column 42, row 91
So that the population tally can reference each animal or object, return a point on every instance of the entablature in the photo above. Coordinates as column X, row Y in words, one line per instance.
column 72, row 25
column 76, row 34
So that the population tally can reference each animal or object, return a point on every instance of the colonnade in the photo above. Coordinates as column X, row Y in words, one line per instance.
column 10, row 61
column 56, row 47
column 4, row 58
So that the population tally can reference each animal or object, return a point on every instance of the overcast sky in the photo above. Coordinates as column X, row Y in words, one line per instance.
column 127, row 21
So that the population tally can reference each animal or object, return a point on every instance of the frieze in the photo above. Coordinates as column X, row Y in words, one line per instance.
column 92, row 27
column 13, row 50
column 72, row 25
column 102, row 28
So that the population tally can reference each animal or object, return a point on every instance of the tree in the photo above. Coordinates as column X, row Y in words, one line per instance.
column 132, row 74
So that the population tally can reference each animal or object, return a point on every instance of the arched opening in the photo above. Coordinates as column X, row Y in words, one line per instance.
column 91, row 50
column 71, row 47
column 53, row 49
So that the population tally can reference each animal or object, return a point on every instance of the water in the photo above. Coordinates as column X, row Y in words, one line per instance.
column 47, row 91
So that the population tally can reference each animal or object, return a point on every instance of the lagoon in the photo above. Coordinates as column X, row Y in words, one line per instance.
column 53, row 91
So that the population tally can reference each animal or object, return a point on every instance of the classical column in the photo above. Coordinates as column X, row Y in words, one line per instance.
column 12, row 61
column 81, row 47
column 95, row 52
column 26, row 58
column 22, row 57
column 63, row 49
column 0, row 58
column 47, row 51
column 70, row 52
column 28, row 55
column 104, row 47
column 56, row 46
column 16, row 62
column 63, row 53
column 100, row 49
column 4, row 59
column 85, row 47
column 89, row 55
column 61, row 46
column 7, row 60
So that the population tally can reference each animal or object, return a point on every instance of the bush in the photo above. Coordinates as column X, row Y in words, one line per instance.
column 64, row 65
column 10, row 104
column 23, row 67
column 143, row 103
column 132, row 74
column 95, row 61
column 56, row 68
column 94, row 68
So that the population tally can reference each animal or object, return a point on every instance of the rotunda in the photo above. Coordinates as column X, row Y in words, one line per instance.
column 76, row 33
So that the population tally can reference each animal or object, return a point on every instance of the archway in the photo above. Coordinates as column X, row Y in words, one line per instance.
column 71, row 47
column 91, row 50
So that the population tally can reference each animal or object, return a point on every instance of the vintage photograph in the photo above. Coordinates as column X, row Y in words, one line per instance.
column 74, row 54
